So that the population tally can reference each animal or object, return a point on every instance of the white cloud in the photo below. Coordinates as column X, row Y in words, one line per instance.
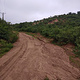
column 30, row 10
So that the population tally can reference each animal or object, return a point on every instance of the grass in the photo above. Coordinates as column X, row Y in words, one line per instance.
column 77, row 52
column 32, row 34
column 4, row 47
column 46, row 78
column 71, row 58
column 74, row 61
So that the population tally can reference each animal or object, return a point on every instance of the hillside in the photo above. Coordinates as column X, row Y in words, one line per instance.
column 32, row 59
column 63, row 29
column 37, row 57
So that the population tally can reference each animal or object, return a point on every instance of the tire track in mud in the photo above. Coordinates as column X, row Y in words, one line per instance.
column 9, row 64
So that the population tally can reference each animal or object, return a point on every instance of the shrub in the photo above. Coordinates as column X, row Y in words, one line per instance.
column 4, row 47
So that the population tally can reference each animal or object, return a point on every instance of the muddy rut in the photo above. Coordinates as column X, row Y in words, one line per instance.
column 32, row 59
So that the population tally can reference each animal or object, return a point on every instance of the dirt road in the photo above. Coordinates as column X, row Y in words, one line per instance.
column 31, row 59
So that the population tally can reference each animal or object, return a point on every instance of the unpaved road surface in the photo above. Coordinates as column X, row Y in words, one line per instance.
column 32, row 59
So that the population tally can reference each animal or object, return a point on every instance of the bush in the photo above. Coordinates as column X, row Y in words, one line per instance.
column 13, row 38
column 4, row 47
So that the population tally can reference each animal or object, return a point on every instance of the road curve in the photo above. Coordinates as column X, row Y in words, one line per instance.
column 32, row 59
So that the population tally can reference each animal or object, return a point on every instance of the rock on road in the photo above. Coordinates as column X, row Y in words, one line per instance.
column 32, row 59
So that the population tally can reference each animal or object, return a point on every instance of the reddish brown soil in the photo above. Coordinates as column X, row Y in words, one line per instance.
column 52, row 22
column 32, row 59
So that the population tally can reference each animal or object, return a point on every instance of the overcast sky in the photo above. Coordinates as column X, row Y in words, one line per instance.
column 29, row 10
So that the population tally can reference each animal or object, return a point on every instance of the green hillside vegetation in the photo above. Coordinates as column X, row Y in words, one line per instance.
column 63, row 29
column 7, row 37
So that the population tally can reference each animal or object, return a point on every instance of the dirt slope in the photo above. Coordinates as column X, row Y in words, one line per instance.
column 32, row 59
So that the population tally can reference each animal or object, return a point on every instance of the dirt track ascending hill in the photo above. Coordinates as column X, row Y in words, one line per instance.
column 32, row 59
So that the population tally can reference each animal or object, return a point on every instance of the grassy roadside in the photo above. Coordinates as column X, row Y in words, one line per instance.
column 5, row 46
column 32, row 34
column 74, row 60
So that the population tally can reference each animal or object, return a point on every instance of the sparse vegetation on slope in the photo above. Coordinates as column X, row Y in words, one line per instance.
column 62, row 29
